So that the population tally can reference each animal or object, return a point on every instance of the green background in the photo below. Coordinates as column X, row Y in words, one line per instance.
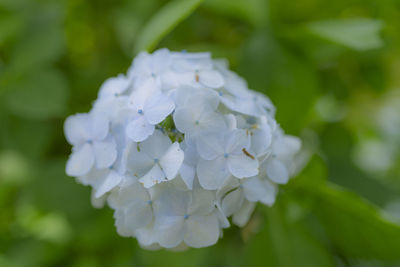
column 332, row 68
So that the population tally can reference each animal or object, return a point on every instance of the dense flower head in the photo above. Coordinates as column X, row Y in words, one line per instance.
column 176, row 147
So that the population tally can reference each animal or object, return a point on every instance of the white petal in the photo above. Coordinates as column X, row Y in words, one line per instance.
column 256, row 190
column 99, row 126
column 160, row 60
column 242, row 165
column 97, row 203
column 139, row 163
column 120, row 223
column 105, row 153
column 81, row 161
column 170, row 230
column 277, row 171
column 212, row 79
column 94, row 177
column 187, row 173
column 156, row 145
column 270, row 197
column 202, row 202
column 212, row 173
column 212, row 121
column 158, row 108
column 243, row 105
column 172, row 160
column 223, row 221
column 292, row 145
column 210, row 146
column 126, row 195
column 144, row 90
column 242, row 216
column 232, row 202
column 114, row 86
column 76, row 129
column 111, row 180
column 139, row 129
column 153, row 177
column 231, row 122
column 182, row 94
column 261, row 140
column 139, row 214
column 146, row 236
column 204, row 97
column 171, row 201
column 236, row 140
column 185, row 119
column 202, row 231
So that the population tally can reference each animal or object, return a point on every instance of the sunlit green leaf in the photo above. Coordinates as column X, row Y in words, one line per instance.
column 358, row 34
column 163, row 22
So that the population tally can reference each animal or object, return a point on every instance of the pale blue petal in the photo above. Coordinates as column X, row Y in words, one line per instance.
column 139, row 129
column 80, row 161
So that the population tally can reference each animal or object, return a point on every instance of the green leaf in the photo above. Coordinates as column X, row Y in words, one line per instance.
column 11, row 26
column 355, row 227
column 163, row 22
column 28, row 53
column 254, row 12
column 285, row 244
column 285, row 76
column 357, row 34
column 41, row 95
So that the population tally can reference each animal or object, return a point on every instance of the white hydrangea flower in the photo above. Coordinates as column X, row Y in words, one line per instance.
column 222, row 155
column 155, row 160
column 88, row 134
column 177, row 147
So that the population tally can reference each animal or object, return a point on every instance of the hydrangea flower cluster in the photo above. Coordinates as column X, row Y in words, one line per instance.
column 177, row 146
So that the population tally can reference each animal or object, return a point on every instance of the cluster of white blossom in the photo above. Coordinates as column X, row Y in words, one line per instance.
column 177, row 146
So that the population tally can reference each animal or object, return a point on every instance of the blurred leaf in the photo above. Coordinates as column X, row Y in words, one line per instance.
column 163, row 22
column 14, row 168
column 41, row 95
column 357, row 34
column 355, row 227
column 10, row 26
column 254, row 12
column 30, row 138
column 284, row 76
column 30, row 52
column 8, row 262
column 283, row 244
column 73, row 200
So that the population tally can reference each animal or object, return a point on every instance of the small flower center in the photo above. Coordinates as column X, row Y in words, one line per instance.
column 186, row 216
column 140, row 111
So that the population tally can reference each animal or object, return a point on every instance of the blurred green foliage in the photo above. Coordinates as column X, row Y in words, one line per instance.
column 332, row 68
